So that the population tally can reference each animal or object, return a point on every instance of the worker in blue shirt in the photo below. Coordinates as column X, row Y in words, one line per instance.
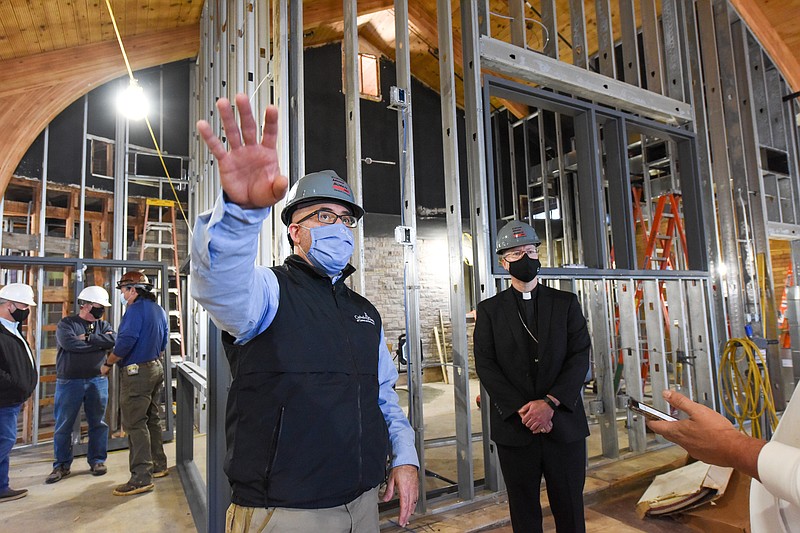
column 312, row 414
column 142, row 337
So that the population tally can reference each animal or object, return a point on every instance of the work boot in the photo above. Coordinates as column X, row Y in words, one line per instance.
column 57, row 474
column 11, row 494
column 98, row 469
column 129, row 489
column 161, row 473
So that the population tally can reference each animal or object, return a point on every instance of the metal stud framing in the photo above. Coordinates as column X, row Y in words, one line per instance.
column 476, row 171
column 680, row 75
column 353, row 123
column 758, row 210
column 409, row 217
column 466, row 486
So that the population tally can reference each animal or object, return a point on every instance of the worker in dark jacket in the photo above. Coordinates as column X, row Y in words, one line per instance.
column 532, row 356
column 83, row 341
column 18, row 375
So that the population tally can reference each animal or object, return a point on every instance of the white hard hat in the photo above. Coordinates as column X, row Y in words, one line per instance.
column 18, row 292
column 95, row 294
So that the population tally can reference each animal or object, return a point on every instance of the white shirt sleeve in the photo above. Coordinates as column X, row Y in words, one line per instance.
column 779, row 470
column 775, row 502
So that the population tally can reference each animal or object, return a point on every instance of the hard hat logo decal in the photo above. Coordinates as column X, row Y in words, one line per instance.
column 519, row 232
column 340, row 185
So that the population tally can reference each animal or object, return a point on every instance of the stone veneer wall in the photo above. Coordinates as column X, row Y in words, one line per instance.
column 384, row 282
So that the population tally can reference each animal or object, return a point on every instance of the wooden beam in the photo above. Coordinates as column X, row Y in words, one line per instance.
column 780, row 53
column 61, row 77
column 316, row 12
column 368, row 33
column 515, row 108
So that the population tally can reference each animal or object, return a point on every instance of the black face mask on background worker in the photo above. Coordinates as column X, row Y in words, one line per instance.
column 20, row 315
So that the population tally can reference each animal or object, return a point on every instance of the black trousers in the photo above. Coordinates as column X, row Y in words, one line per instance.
column 564, row 470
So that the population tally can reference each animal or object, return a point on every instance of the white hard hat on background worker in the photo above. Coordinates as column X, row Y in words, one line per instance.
column 96, row 295
column 18, row 292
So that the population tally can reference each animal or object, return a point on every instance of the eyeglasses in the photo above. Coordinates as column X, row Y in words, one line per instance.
column 516, row 255
column 329, row 217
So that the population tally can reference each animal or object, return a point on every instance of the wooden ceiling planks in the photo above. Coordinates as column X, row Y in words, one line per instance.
column 316, row 12
column 81, row 10
column 26, row 29
column 188, row 10
column 68, row 14
column 781, row 41
column 783, row 16
column 13, row 44
column 50, row 26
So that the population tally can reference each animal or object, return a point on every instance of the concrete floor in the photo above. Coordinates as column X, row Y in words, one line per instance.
column 84, row 503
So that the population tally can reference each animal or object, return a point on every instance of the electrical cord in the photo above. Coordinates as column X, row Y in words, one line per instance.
column 147, row 120
column 744, row 378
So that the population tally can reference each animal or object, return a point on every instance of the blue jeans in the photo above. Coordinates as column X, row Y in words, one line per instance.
column 8, row 436
column 70, row 394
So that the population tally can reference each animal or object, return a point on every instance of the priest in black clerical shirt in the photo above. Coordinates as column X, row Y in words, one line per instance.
column 532, row 357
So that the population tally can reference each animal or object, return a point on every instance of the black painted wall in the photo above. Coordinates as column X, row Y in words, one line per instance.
column 326, row 142
column 64, row 163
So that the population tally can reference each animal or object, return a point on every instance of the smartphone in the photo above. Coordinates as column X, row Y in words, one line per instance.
column 649, row 411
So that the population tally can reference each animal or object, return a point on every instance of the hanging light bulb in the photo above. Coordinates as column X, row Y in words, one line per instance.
column 132, row 102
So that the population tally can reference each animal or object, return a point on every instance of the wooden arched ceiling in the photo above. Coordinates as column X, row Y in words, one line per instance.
column 52, row 52
column 35, row 89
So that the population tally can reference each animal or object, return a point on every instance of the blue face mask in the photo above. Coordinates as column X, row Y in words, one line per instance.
column 331, row 247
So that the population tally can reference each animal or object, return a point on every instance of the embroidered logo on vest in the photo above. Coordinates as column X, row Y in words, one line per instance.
column 364, row 318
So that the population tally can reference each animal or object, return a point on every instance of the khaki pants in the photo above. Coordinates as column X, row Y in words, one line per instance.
column 358, row 516
column 138, row 402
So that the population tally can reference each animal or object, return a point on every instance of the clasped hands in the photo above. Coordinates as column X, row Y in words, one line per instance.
column 537, row 416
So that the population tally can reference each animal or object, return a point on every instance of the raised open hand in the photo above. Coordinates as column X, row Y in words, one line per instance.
column 249, row 172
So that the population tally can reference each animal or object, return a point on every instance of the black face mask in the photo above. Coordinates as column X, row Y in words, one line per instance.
column 20, row 315
column 97, row 312
column 524, row 269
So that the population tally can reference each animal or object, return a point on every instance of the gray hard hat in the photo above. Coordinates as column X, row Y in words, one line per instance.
column 514, row 234
column 319, row 187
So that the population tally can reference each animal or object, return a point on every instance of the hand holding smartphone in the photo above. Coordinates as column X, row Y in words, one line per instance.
column 649, row 411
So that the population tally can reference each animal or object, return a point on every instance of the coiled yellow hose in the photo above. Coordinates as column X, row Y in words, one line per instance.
column 744, row 379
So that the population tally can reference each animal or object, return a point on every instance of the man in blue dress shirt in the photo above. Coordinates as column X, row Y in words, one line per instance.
column 312, row 415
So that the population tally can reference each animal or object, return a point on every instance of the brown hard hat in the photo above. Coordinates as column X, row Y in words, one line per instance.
column 134, row 278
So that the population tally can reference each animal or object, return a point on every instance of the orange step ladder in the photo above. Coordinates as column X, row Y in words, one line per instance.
column 172, row 285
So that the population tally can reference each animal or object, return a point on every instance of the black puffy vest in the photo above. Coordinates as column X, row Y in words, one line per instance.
column 303, row 426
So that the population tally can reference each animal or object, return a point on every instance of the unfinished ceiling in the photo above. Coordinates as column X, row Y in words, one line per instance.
column 62, row 49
